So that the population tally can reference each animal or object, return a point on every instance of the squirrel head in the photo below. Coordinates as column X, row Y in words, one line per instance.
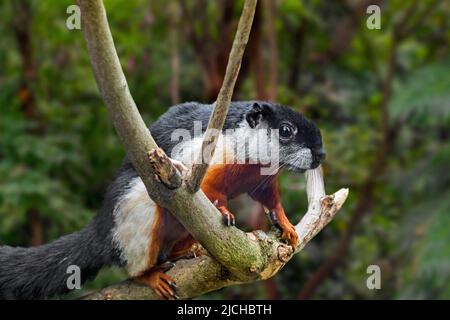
column 299, row 140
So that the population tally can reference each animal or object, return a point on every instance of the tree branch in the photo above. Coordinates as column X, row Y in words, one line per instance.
column 199, row 216
column 204, row 274
column 235, row 257
column 223, row 101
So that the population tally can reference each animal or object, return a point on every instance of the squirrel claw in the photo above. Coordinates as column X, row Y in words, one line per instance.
column 163, row 284
column 166, row 266
column 229, row 219
column 273, row 219
column 227, row 216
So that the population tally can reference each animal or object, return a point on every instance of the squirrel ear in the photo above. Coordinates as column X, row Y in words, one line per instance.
column 256, row 114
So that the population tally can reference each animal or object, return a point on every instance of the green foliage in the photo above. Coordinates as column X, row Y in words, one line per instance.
column 424, row 95
column 38, row 173
column 430, row 269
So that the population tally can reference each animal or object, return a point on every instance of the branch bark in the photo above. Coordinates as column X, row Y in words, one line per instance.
column 235, row 257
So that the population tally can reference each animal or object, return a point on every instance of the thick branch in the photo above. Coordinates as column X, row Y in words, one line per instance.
column 222, row 104
column 204, row 274
column 113, row 86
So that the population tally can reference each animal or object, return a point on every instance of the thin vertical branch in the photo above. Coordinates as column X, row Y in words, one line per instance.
column 223, row 101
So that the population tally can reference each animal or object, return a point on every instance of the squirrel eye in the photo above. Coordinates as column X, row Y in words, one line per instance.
column 286, row 131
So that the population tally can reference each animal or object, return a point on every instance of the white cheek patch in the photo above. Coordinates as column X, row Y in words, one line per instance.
column 300, row 159
column 305, row 158
column 134, row 216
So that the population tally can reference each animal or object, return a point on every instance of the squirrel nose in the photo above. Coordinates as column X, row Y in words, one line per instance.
column 320, row 155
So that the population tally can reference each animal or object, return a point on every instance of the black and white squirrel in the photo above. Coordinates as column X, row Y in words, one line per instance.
column 132, row 231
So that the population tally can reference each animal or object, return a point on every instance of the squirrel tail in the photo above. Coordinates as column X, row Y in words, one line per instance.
column 45, row 271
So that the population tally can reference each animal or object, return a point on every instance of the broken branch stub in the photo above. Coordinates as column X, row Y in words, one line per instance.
column 321, row 208
column 164, row 169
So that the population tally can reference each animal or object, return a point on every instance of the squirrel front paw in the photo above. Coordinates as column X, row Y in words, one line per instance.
column 227, row 216
column 228, row 219
column 289, row 233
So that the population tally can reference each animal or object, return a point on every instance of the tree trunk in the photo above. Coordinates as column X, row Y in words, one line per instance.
column 22, row 30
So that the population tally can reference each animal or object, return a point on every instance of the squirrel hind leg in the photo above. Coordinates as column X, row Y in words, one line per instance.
column 157, row 279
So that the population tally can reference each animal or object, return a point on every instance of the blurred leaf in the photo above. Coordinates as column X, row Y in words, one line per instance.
column 430, row 276
column 424, row 94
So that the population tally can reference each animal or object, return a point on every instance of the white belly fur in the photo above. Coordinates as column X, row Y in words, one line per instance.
column 134, row 216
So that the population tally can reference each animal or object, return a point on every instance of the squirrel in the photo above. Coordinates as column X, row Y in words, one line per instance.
column 133, row 232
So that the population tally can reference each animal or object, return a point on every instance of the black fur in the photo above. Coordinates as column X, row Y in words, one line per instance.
column 41, row 272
